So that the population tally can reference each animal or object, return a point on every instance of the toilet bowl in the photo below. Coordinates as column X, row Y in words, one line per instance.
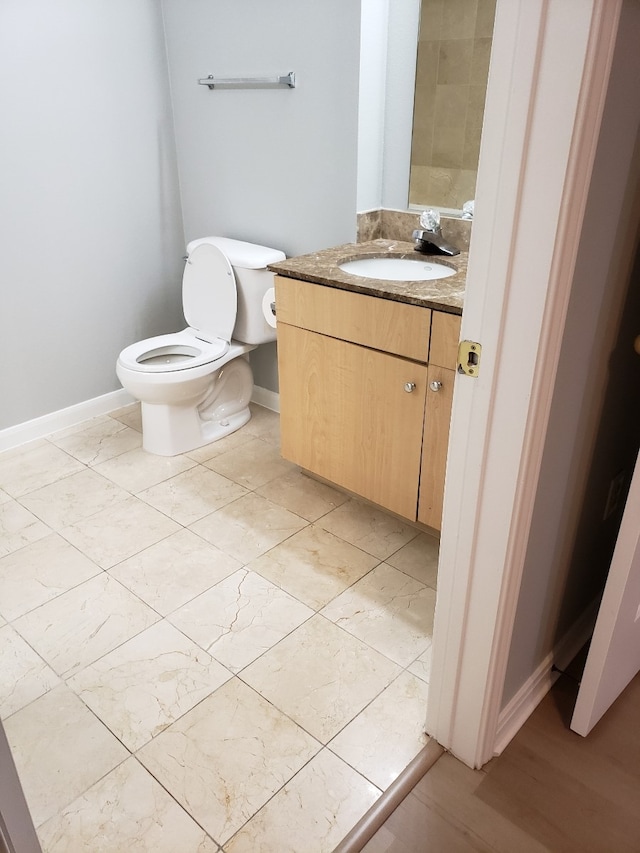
column 195, row 385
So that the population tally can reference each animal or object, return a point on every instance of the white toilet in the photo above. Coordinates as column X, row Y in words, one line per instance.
column 195, row 385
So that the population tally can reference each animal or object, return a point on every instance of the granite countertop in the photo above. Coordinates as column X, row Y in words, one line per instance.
column 445, row 294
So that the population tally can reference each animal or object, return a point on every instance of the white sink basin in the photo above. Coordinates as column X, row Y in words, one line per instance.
column 396, row 269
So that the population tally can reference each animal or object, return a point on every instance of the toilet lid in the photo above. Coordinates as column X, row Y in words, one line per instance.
column 209, row 297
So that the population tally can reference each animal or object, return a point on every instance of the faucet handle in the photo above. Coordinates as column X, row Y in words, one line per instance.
column 430, row 220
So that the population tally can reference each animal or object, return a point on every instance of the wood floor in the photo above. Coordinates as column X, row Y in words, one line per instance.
column 550, row 790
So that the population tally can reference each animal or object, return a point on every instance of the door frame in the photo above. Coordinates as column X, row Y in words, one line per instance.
column 547, row 85
column 17, row 832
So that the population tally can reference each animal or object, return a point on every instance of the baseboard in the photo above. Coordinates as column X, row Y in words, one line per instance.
column 516, row 712
column 264, row 397
column 41, row 427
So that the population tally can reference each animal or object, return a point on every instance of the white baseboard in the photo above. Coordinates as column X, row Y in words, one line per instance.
column 19, row 434
column 264, row 397
column 516, row 712
column 41, row 427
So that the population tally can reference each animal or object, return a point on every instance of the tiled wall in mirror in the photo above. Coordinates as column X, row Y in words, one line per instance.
column 451, row 83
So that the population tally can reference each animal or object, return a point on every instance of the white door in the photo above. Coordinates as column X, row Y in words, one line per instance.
column 614, row 654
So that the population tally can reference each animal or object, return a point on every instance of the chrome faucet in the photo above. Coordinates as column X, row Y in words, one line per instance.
column 429, row 237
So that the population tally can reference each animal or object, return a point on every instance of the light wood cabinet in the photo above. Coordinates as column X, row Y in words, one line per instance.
column 353, row 377
column 435, row 444
column 443, row 353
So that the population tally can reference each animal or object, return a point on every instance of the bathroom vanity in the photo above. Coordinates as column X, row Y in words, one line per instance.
column 366, row 371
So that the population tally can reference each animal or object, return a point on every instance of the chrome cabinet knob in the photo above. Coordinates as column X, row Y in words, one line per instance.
column 435, row 385
column 409, row 387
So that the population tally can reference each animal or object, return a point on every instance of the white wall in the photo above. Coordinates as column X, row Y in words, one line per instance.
column 276, row 167
column 404, row 26
column 389, row 44
column 91, row 238
column 374, row 38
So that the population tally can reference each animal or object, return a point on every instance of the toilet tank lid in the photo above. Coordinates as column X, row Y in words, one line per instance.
column 246, row 256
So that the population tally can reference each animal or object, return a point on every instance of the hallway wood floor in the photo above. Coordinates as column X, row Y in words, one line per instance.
column 550, row 790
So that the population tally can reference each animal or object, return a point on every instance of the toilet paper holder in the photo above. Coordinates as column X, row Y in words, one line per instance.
column 269, row 307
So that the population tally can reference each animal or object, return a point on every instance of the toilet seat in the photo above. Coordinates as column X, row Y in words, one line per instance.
column 209, row 293
column 210, row 306
column 168, row 353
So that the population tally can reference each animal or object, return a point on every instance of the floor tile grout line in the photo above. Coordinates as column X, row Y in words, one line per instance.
column 307, row 523
column 323, row 747
column 162, row 617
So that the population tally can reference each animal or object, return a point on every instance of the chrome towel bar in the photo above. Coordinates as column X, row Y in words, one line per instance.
column 286, row 81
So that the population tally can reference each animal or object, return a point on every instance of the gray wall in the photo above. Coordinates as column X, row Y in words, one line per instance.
column 593, row 430
column 91, row 236
column 276, row 167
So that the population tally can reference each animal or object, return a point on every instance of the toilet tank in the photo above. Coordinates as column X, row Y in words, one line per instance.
column 253, row 280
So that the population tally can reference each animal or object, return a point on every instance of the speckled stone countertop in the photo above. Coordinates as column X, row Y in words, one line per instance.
column 445, row 294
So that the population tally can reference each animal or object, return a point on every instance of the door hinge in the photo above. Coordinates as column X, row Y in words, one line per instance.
column 469, row 353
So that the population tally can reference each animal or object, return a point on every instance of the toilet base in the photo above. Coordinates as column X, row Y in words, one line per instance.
column 171, row 430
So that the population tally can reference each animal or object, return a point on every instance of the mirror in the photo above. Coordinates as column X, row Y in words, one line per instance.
column 451, row 83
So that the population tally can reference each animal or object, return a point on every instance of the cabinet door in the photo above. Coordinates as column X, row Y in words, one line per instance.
column 435, row 445
column 346, row 416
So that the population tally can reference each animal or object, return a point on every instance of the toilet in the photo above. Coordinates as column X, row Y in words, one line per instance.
column 195, row 385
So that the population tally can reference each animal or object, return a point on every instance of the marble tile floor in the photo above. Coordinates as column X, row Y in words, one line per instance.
column 206, row 652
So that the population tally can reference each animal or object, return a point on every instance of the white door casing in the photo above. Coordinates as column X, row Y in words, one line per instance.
column 542, row 118
column 17, row 833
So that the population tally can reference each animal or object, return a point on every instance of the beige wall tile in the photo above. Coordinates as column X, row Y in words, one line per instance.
column 458, row 19
column 427, row 64
column 451, row 106
column 419, row 185
column 485, row 16
column 471, row 150
column 480, row 61
column 461, row 33
column 431, row 19
column 448, row 147
column 454, row 63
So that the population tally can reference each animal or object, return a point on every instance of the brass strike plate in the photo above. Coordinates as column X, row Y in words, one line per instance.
column 469, row 353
